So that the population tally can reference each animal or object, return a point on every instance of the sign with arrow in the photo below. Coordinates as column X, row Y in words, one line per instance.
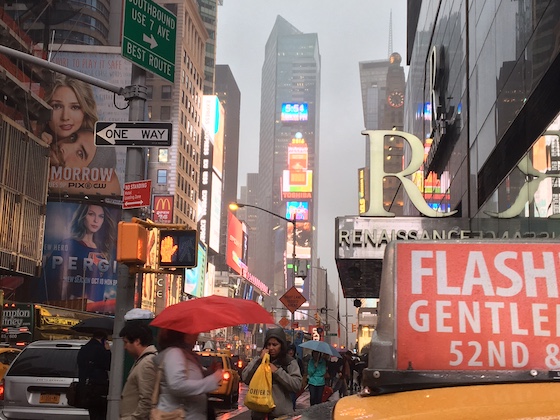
column 133, row 133
column 137, row 194
column 149, row 36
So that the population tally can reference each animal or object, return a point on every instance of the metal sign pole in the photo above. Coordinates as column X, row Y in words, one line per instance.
column 135, row 167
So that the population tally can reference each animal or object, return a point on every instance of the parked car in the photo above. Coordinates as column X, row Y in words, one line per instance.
column 7, row 356
column 35, row 384
column 228, row 392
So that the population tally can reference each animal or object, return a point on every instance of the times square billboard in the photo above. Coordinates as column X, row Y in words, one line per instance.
column 85, row 185
column 297, row 195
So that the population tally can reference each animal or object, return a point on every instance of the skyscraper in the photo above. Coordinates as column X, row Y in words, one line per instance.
column 289, row 145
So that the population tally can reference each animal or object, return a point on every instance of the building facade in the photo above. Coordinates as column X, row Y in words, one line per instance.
column 288, row 151
column 481, row 124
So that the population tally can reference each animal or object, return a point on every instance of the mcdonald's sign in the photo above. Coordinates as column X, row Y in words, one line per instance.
column 162, row 209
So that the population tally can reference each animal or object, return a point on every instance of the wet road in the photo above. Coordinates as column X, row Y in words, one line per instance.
column 303, row 411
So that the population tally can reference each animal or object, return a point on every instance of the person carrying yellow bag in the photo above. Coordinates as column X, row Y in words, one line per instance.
column 285, row 373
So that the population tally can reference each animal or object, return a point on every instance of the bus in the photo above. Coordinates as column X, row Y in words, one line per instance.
column 23, row 323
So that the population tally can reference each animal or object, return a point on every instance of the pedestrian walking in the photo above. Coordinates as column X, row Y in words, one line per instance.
column 286, row 375
column 136, row 397
column 94, row 363
column 316, row 371
column 184, row 382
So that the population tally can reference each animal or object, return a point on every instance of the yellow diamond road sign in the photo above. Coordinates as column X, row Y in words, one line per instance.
column 293, row 299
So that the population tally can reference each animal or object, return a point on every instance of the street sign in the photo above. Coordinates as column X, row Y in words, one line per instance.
column 133, row 133
column 137, row 194
column 149, row 36
column 332, row 334
column 292, row 299
column 284, row 322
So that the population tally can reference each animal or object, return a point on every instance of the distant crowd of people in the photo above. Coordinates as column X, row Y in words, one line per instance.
column 174, row 379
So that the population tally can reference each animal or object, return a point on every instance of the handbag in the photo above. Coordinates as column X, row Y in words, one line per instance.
column 156, row 413
column 77, row 395
column 259, row 395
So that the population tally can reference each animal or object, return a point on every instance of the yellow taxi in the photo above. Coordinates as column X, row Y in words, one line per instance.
column 460, row 335
column 7, row 356
column 228, row 392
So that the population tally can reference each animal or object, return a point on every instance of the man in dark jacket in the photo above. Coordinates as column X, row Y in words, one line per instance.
column 94, row 362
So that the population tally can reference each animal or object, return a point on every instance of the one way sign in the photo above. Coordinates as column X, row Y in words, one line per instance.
column 132, row 133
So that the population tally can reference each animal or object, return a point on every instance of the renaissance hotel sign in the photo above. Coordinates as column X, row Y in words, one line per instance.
column 361, row 240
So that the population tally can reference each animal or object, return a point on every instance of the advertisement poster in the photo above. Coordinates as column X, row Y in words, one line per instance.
column 78, row 166
column 79, row 253
column 491, row 306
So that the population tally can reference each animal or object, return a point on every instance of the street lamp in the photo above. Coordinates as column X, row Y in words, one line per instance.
column 234, row 206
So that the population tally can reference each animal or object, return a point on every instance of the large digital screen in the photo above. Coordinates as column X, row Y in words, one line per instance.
column 294, row 112
column 298, row 210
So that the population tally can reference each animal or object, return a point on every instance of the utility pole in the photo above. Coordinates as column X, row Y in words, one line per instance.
column 126, row 282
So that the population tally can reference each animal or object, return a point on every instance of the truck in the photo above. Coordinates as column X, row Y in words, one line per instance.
column 23, row 323
column 465, row 329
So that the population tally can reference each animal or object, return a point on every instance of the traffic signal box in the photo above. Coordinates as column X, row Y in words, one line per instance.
column 132, row 243
column 178, row 248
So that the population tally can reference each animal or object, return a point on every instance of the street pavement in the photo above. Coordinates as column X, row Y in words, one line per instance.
column 303, row 410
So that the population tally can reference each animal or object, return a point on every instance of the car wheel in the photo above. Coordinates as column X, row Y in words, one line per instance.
column 233, row 399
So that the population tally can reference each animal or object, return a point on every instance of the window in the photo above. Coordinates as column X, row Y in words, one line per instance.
column 162, row 176
column 149, row 113
column 163, row 155
column 150, row 92
column 165, row 113
column 166, row 92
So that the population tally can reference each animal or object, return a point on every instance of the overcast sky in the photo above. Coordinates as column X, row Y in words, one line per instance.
column 349, row 31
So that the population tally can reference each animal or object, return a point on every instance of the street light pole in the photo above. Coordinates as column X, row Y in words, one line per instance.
column 235, row 206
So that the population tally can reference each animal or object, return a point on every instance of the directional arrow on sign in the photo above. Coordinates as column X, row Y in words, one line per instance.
column 131, row 133
column 150, row 40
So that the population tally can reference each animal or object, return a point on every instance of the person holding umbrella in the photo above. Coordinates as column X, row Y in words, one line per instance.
column 316, row 371
column 184, row 382
column 286, row 375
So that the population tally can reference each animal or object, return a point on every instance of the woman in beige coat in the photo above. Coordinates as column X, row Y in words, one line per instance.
column 136, row 397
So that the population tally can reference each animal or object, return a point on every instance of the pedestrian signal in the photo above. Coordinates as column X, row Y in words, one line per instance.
column 132, row 240
column 178, row 248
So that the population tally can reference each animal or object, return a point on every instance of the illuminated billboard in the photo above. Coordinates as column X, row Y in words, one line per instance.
column 194, row 277
column 293, row 182
column 236, row 233
column 213, row 119
column 294, row 112
column 298, row 210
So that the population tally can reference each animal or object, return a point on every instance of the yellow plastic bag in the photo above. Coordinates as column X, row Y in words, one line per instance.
column 259, row 394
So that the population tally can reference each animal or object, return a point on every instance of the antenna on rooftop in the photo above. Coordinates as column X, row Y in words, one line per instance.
column 390, row 34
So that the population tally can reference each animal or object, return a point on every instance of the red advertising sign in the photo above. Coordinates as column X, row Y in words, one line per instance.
column 163, row 208
column 137, row 194
column 234, row 247
column 478, row 306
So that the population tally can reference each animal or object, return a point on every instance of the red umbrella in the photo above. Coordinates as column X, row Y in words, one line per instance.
column 209, row 313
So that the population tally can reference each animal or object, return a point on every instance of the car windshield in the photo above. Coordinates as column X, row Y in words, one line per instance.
column 44, row 362
column 207, row 361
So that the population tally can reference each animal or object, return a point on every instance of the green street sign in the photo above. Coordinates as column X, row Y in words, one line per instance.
column 149, row 36
column 332, row 334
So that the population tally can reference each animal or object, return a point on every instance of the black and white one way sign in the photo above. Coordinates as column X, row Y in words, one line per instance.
column 133, row 133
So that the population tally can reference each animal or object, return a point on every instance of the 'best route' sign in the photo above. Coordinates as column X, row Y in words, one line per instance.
column 133, row 133
column 149, row 35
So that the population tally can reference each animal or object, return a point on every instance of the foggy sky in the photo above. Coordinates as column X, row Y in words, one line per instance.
column 349, row 31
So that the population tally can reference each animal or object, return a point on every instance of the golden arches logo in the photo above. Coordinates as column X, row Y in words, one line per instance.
column 163, row 203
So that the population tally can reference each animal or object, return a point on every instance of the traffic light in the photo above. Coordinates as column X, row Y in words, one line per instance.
column 317, row 319
column 353, row 327
column 178, row 248
column 132, row 239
